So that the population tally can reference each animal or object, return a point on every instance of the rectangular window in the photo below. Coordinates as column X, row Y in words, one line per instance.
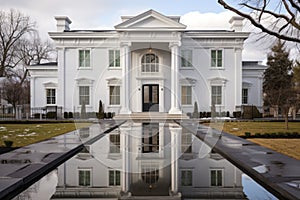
column 244, row 96
column 114, row 95
column 186, row 58
column 84, row 58
column 114, row 58
column 216, row 95
column 186, row 178
column 216, row 58
column 114, row 177
column 186, row 95
column 114, row 146
column 150, row 140
column 186, row 142
column 84, row 95
column 216, row 177
column 84, row 177
column 51, row 96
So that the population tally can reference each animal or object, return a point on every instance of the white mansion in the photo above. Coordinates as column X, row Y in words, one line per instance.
column 150, row 62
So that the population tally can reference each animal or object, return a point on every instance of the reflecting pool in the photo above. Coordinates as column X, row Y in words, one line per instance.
column 145, row 160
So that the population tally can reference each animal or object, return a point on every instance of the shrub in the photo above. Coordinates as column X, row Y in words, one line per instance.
column 66, row 115
column 38, row 115
column 51, row 115
column 8, row 143
column 195, row 113
column 70, row 114
column 227, row 114
column 208, row 114
column 201, row 114
column 204, row 114
column 109, row 115
column 237, row 114
column 247, row 134
column 250, row 112
column 257, row 134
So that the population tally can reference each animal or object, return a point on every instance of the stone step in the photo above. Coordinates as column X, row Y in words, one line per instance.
column 151, row 116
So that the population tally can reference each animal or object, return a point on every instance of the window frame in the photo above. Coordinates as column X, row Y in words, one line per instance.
column 115, row 60
column 115, row 181
column 214, row 62
column 216, row 178
column 110, row 95
column 187, row 146
column 51, row 96
column 221, row 95
column 186, row 103
column 186, row 58
column 90, row 177
column 243, row 96
column 114, row 148
column 89, row 95
column 84, row 66
column 187, row 179
column 148, row 65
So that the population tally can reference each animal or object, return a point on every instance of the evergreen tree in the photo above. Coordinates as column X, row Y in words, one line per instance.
column 278, row 84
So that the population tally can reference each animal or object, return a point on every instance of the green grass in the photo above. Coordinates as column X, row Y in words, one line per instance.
column 25, row 134
column 289, row 147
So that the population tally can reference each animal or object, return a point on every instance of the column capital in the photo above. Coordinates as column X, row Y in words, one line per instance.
column 125, row 44
column 174, row 44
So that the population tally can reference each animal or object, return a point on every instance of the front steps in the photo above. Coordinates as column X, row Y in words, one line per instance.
column 151, row 116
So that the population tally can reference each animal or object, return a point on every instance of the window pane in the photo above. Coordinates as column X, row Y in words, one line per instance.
column 150, row 63
column 50, row 96
column 111, row 58
column 213, row 58
column 87, row 58
column 219, row 178
column 219, row 60
column 81, row 58
column 114, row 95
column 117, row 58
column 84, row 178
column 213, row 178
column 84, row 95
column 118, row 178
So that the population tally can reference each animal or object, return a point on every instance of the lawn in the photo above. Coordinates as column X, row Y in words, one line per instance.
column 25, row 134
column 290, row 147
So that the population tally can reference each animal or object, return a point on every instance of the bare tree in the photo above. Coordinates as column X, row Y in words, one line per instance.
column 14, row 27
column 279, row 18
column 13, row 92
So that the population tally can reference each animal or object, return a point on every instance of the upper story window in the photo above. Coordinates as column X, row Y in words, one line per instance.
column 51, row 96
column 150, row 63
column 84, row 58
column 186, row 58
column 216, row 58
column 114, row 58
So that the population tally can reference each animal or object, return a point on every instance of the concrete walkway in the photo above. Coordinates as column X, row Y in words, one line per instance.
column 20, row 168
column 278, row 173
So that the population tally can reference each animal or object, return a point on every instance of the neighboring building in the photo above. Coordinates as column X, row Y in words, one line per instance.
column 150, row 62
column 149, row 159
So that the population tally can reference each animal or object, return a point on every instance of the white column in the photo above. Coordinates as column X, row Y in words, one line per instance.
column 32, row 92
column 238, row 77
column 125, row 64
column 61, row 77
column 125, row 143
column 175, row 92
column 175, row 153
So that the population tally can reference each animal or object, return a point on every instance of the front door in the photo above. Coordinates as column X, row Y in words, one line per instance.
column 150, row 98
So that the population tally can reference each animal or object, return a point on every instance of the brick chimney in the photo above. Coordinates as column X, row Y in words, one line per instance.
column 62, row 23
column 236, row 23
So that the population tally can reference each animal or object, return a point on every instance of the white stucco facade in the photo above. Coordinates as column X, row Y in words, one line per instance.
column 149, row 62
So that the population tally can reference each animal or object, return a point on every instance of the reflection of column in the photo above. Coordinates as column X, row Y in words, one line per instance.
column 174, row 78
column 125, row 64
column 175, row 153
column 125, row 157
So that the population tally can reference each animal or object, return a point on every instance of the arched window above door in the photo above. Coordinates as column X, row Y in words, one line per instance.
column 150, row 63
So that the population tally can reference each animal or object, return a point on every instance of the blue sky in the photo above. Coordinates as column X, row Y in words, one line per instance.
column 105, row 14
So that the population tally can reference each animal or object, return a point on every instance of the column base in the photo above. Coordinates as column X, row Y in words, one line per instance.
column 175, row 111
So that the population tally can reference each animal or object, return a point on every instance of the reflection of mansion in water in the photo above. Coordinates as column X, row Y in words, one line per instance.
column 152, row 159
column 149, row 62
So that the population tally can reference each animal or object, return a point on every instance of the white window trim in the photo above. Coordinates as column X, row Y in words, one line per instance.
column 216, row 169
column 55, row 88
column 223, row 62
column 113, row 82
column 186, row 169
column 186, row 85
column 91, row 59
column 85, row 82
column 192, row 139
column 114, row 153
column 192, row 61
column 114, row 170
column 247, row 96
column 218, row 81
column 91, row 176
column 114, row 67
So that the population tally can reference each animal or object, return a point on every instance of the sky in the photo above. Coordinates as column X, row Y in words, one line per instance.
column 105, row 14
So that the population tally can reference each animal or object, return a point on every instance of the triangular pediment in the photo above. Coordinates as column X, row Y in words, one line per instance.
column 151, row 20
